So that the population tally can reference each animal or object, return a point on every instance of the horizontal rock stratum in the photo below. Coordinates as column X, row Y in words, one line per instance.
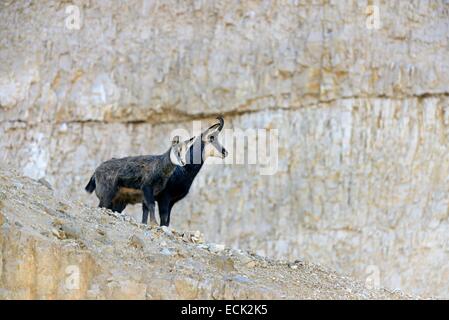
column 57, row 249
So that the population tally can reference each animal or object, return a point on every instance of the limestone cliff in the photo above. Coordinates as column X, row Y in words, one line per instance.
column 361, row 112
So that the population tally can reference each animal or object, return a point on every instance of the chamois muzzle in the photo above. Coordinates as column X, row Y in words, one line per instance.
column 224, row 152
column 213, row 148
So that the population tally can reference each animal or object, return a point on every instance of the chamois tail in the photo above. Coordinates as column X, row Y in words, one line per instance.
column 91, row 185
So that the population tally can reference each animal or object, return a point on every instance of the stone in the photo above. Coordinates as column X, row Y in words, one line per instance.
column 239, row 278
column 216, row 248
column 223, row 263
column 58, row 233
column 167, row 230
column 166, row 252
column 71, row 231
column 45, row 183
column 136, row 242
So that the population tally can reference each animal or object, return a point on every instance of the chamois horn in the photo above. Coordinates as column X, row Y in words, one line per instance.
column 220, row 118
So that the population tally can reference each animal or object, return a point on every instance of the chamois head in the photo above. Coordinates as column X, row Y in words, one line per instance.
column 179, row 150
column 212, row 148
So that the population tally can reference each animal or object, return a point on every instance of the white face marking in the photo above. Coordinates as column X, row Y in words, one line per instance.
column 174, row 157
column 211, row 150
column 209, row 133
column 178, row 152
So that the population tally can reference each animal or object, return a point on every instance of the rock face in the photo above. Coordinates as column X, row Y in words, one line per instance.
column 360, row 107
column 58, row 249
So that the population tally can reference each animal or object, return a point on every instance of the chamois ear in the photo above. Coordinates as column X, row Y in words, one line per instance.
column 175, row 140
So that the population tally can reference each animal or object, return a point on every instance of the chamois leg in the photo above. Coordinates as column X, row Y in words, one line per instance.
column 148, row 201
column 105, row 194
column 145, row 214
column 118, row 207
column 164, row 215
column 164, row 211
column 106, row 201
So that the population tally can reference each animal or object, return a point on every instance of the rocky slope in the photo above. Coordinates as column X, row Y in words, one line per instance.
column 56, row 249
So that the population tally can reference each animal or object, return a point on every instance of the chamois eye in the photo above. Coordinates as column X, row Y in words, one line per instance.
column 212, row 138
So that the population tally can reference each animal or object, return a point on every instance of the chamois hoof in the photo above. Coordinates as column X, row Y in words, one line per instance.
column 153, row 224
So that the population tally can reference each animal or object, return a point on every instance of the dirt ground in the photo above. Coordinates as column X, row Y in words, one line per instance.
column 59, row 249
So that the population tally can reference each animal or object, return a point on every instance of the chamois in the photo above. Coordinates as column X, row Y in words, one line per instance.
column 179, row 183
column 130, row 180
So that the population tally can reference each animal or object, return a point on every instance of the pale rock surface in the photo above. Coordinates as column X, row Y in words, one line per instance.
column 362, row 182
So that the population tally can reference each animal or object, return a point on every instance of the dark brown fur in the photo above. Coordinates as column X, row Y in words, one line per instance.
column 128, row 195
